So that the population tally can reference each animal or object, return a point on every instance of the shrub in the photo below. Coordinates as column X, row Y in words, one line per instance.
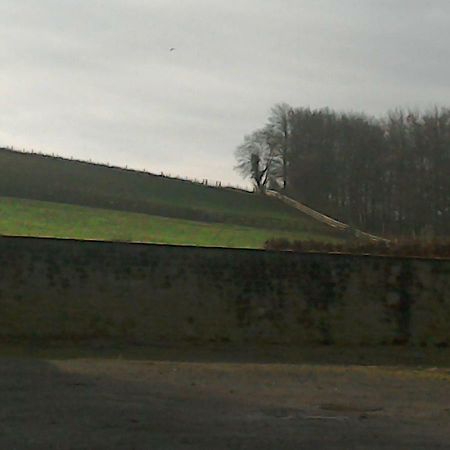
column 399, row 247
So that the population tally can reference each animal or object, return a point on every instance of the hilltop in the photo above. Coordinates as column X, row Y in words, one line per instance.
column 140, row 197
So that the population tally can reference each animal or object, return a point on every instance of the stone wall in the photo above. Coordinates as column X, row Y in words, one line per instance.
column 67, row 289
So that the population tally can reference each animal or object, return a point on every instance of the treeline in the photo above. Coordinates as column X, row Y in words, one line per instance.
column 388, row 175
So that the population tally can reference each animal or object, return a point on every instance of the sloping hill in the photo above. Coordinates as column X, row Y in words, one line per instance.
column 53, row 179
column 21, row 217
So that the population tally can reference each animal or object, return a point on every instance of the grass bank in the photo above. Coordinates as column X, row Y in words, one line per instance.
column 21, row 217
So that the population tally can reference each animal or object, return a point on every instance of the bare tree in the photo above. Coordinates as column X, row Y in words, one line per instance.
column 257, row 158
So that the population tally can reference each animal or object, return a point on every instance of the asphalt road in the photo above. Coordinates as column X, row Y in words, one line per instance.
column 187, row 403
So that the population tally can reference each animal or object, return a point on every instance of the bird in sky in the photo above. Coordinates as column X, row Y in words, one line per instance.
column 171, row 49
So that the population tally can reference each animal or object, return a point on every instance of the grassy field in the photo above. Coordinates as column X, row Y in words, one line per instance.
column 36, row 218
column 59, row 180
column 52, row 196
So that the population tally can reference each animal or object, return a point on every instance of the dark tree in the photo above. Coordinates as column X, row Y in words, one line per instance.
column 388, row 175
column 279, row 131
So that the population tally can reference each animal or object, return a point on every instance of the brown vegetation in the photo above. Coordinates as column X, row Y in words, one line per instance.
column 399, row 247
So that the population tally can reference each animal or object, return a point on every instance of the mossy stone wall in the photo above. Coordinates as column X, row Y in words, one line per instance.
column 67, row 289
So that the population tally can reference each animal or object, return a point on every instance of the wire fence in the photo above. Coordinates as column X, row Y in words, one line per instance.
column 199, row 181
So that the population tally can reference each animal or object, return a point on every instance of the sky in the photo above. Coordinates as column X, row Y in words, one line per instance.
column 95, row 79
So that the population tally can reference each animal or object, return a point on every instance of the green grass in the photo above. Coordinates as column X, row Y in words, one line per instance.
column 21, row 217
column 64, row 198
column 60, row 180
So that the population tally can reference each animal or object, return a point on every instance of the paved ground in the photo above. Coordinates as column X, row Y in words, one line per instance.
column 176, row 400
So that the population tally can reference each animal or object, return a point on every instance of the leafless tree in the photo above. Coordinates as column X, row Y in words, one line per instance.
column 257, row 158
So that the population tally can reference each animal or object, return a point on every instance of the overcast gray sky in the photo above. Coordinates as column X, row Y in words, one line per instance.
column 95, row 79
